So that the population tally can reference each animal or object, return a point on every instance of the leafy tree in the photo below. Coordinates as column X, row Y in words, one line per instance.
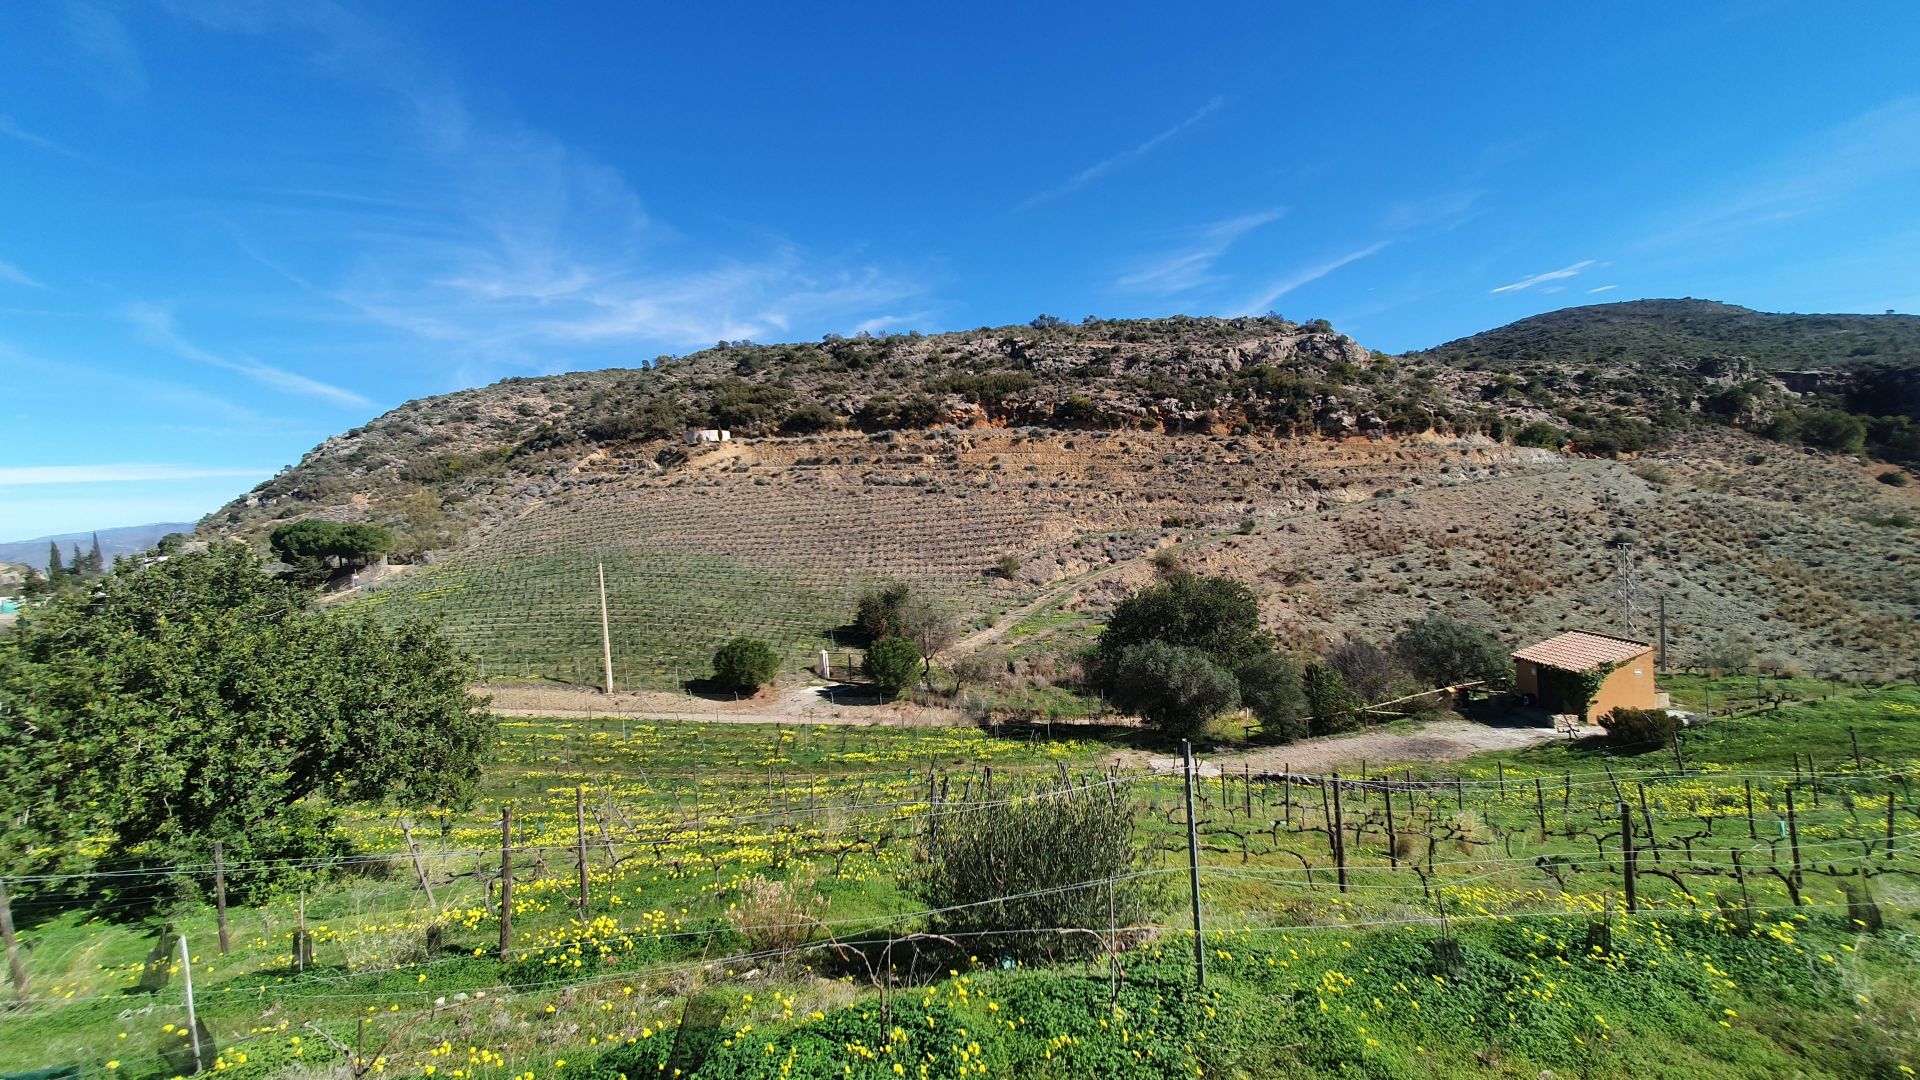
column 1013, row 866
column 930, row 627
column 1832, row 429
column 745, row 665
column 197, row 699
column 1442, row 652
column 1007, row 565
column 1541, row 435
column 1366, row 669
column 878, row 612
column 96, row 563
column 311, row 545
column 892, row 663
column 1176, row 689
column 1270, row 688
column 1218, row 616
column 808, row 419
column 1335, row 709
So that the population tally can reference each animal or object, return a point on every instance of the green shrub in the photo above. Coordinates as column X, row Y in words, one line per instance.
column 1893, row 478
column 1643, row 728
column 892, row 663
column 1442, row 652
column 1007, row 565
column 1177, row 690
column 1271, row 689
column 1048, row 860
column 809, row 419
column 1541, row 435
column 1334, row 708
column 745, row 665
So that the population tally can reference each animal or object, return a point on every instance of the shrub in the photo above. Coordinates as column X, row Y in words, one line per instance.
column 878, row 612
column 1218, row 616
column 1008, row 867
column 745, row 665
column 1174, row 688
column 1645, row 728
column 1007, row 565
column 809, row 419
column 1893, row 478
column 1540, row 435
column 1442, row 652
column 892, row 663
column 1270, row 688
column 1367, row 670
column 1334, row 708
column 777, row 915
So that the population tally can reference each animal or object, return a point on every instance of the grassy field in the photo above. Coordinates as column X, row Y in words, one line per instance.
column 1483, row 932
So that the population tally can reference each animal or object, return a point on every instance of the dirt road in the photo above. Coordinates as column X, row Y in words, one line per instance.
column 797, row 705
column 1440, row 740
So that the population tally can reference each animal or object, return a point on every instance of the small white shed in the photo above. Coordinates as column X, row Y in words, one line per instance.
column 704, row 435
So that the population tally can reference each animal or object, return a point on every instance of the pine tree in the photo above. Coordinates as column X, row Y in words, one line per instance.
column 95, row 562
column 77, row 565
column 54, row 566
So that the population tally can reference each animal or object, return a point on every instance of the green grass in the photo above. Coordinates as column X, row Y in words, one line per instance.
column 697, row 810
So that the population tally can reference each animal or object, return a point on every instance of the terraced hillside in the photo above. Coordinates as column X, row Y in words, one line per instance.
column 1358, row 491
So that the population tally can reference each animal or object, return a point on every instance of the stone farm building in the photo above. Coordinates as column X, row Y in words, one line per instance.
column 1628, row 666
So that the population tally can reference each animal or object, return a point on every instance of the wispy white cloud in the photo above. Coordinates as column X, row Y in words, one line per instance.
column 155, row 326
column 1443, row 211
column 1118, row 161
column 1601, row 289
column 106, row 50
column 1265, row 300
column 1191, row 267
column 500, row 242
column 1875, row 148
column 33, row 475
column 881, row 323
column 1541, row 279
column 15, row 275
column 12, row 129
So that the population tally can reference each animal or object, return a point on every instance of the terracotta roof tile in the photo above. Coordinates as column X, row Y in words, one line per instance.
column 1578, row 650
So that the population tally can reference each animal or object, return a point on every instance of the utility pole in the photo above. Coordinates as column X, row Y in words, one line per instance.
column 1660, row 662
column 1193, row 871
column 606, row 640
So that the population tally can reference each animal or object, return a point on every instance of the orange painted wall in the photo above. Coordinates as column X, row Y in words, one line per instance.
column 1630, row 685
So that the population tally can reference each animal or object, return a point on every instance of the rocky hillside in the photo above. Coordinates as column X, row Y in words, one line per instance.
column 1640, row 332
column 1028, row 475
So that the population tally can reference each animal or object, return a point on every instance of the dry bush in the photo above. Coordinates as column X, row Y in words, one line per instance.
column 777, row 915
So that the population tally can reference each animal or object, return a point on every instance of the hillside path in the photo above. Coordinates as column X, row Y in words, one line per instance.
column 796, row 705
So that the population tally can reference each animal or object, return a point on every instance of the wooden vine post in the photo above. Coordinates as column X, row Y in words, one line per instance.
column 580, row 842
column 1339, row 835
column 419, row 868
column 1627, row 856
column 220, row 893
column 14, row 970
column 506, row 881
column 1193, row 870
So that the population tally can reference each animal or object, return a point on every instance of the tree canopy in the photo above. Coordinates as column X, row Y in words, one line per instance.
column 893, row 663
column 744, row 665
column 197, row 699
column 1442, row 652
column 310, row 543
column 1218, row 616
column 1175, row 688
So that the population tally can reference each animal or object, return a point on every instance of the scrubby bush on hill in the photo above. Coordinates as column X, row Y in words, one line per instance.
column 893, row 663
column 744, row 665
column 1049, row 860
column 1443, row 652
column 1646, row 729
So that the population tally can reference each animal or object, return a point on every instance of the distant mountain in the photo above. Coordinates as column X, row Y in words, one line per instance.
column 1641, row 331
column 127, row 540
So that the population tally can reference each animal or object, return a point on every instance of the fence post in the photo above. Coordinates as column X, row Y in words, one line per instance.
column 220, row 892
column 506, row 881
column 1752, row 832
column 1339, row 835
column 193, row 1022
column 1540, row 807
column 419, row 868
column 1627, row 861
column 580, row 842
column 1889, row 823
column 1393, row 835
column 1793, row 841
column 19, row 974
column 1193, row 870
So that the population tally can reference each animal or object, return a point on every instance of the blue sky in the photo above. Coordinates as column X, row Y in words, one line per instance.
column 233, row 229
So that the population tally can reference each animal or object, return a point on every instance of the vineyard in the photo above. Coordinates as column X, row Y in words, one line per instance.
column 1746, row 895
column 776, row 538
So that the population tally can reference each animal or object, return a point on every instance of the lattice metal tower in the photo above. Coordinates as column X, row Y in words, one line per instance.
column 1626, row 579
